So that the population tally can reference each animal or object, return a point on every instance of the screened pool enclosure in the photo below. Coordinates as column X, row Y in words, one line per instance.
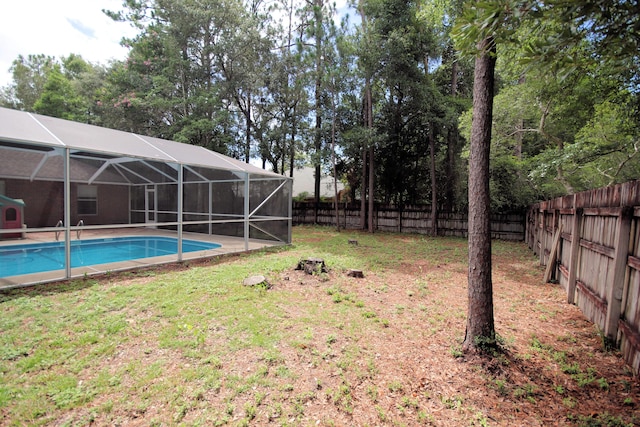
column 76, row 183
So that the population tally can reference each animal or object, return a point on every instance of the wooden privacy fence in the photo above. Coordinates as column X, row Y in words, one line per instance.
column 410, row 219
column 590, row 243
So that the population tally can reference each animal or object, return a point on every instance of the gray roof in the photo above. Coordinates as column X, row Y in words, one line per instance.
column 28, row 129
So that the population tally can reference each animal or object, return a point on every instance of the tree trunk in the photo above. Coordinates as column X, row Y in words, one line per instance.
column 363, row 191
column 517, row 150
column 454, row 77
column 432, row 168
column 317, row 173
column 434, row 187
column 367, row 116
column 371, row 189
column 452, row 149
column 480, row 323
column 371, row 156
column 247, row 148
column 333, row 157
column 451, row 171
column 292, row 148
column 318, row 136
column 367, row 179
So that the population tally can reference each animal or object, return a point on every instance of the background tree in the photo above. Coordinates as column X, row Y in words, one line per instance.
column 188, row 76
column 58, row 98
column 242, row 78
column 403, row 107
column 29, row 77
column 240, row 56
column 317, row 44
column 365, row 141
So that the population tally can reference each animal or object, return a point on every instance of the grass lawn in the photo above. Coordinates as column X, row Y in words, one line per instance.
column 190, row 345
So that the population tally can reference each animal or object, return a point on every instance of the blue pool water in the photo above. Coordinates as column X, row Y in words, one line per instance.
column 39, row 257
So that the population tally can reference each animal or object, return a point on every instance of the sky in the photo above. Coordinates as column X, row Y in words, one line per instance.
column 59, row 28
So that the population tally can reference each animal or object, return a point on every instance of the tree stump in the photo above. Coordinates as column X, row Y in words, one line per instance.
column 312, row 265
column 355, row 273
column 260, row 281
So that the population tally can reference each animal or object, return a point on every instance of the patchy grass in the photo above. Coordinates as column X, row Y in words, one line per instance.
column 189, row 345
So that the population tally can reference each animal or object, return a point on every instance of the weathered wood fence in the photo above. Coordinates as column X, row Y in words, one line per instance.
column 410, row 219
column 590, row 243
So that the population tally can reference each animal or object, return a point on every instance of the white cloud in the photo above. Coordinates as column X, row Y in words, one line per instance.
column 59, row 28
column 78, row 25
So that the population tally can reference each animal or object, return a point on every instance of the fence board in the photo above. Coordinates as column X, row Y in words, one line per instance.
column 412, row 219
column 599, row 259
column 593, row 307
column 630, row 346
column 631, row 311
column 618, row 269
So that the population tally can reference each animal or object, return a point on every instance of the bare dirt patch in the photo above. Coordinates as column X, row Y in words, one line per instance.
column 408, row 369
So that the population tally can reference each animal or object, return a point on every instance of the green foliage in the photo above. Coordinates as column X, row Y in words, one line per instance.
column 235, row 79
column 496, row 19
column 489, row 344
column 563, row 27
column 302, row 196
column 396, row 386
column 29, row 77
column 58, row 99
column 412, row 114
column 602, row 152
column 565, row 119
column 601, row 420
column 553, row 135
column 64, row 88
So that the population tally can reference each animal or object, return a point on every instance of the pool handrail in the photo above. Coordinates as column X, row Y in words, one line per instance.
column 79, row 230
column 59, row 224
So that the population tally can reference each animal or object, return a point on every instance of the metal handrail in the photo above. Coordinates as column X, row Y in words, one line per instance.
column 59, row 224
column 79, row 230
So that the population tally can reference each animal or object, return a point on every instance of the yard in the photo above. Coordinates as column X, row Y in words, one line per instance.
column 190, row 345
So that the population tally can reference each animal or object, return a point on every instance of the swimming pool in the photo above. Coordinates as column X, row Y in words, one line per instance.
column 39, row 257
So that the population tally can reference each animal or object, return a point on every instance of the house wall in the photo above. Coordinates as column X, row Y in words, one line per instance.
column 44, row 203
column 304, row 183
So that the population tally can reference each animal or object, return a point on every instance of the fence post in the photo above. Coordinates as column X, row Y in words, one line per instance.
column 576, row 235
column 536, row 230
column 543, row 235
column 614, row 293
column 529, row 228
column 526, row 227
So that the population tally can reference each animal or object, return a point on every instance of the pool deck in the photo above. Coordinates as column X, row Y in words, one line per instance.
column 230, row 245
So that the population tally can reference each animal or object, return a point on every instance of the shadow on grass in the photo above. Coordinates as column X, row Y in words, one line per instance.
column 46, row 289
